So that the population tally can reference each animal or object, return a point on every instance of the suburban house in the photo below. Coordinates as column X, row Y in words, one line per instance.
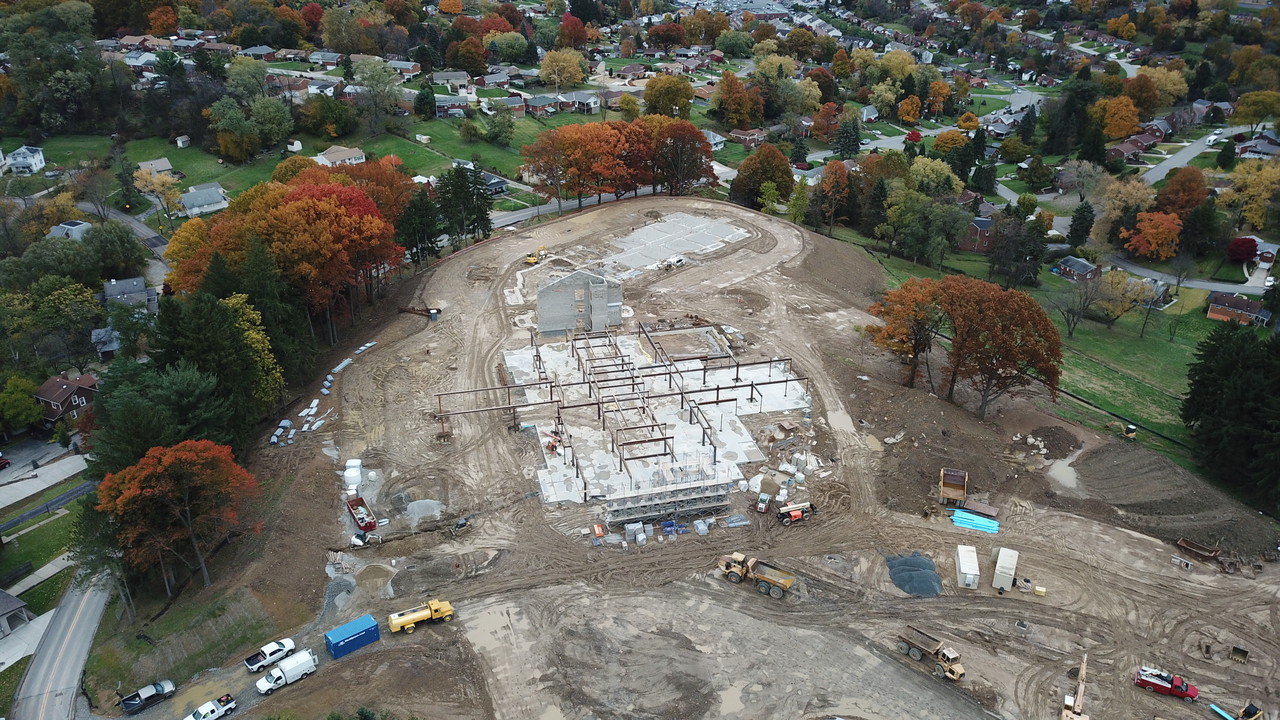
column 406, row 68
column 13, row 614
column 868, row 113
column 1264, row 146
column 288, row 87
column 1228, row 307
column 1074, row 268
column 259, row 52
column 749, row 139
column 1126, row 151
column 291, row 55
column 515, row 102
column 451, row 106
column 673, row 68
column 187, row 45
column 494, row 80
column 613, row 98
column 541, row 105
column 1146, row 141
column 634, row 71
column 330, row 60
column 203, row 199
column 64, row 396
column 222, row 48
column 316, row 86
column 160, row 166
column 106, row 341
column 339, row 155
column 132, row 292
column 454, row 80
column 977, row 237
column 494, row 184
column 716, row 140
column 581, row 102
column 26, row 160
column 74, row 229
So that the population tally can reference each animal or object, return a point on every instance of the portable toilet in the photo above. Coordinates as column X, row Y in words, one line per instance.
column 967, row 572
column 346, row 639
column 1006, row 568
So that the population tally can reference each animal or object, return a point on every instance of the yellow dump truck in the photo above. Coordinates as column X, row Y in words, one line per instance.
column 434, row 610
column 919, row 645
column 769, row 580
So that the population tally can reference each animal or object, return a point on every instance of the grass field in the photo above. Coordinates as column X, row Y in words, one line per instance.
column 35, row 501
column 732, row 155
column 44, row 597
column 41, row 545
column 987, row 104
column 10, row 678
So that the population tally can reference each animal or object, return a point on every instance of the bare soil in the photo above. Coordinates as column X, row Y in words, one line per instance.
column 550, row 627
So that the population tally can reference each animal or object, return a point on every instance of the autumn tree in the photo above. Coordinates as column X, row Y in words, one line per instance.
column 682, row 157
column 1001, row 340
column 912, row 318
column 546, row 162
column 1256, row 191
column 667, row 36
column 192, row 492
column 939, row 94
column 737, row 106
column 826, row 122
column 163, row 188
column 968, row 122
column 766, row 164
column 1155, row 236
column 669, row 95
column 949, row 140
column 1120, row 200
column 909, row 110
column 451, row 7
column 798, row 203
column 1119, row 116
column 162, row 21
column 1183, row 192
column 1257, row 107
column 833, row 190
column 1082, row 176
column 561, row 68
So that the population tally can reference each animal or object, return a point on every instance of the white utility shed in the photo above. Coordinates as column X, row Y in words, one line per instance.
column 1006, row 568
column 967, row 572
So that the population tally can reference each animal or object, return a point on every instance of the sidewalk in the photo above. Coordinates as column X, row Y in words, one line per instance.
column 54, row 566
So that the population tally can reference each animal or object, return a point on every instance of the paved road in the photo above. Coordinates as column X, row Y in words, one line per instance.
column 78, row 491
column 1184, row 156
column 52, row 684
column 1252, row 287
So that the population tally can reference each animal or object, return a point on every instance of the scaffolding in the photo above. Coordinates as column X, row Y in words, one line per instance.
column 609, row 394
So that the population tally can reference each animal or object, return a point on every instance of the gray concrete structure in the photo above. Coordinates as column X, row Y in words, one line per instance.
column 579, row 302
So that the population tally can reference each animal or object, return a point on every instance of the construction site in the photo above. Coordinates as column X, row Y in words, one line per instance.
column 614, row 428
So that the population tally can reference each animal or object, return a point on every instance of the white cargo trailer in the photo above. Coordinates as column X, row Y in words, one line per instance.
column 1006, row 569
column 967, row 573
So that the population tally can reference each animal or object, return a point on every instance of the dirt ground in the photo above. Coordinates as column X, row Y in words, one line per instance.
column 550, row 627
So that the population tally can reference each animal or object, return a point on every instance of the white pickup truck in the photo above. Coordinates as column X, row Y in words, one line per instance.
column 214, row 709
column 270, row 654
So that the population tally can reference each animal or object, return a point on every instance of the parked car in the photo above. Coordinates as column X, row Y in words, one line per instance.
column 269, row 654
column 5, row 462
column 1271, row 280
column 144, row 698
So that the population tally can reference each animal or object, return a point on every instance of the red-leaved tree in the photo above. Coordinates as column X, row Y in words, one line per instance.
column 175, row 499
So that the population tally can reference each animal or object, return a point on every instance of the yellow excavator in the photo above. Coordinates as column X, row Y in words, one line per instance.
column 534, row 258
column 1127, row 431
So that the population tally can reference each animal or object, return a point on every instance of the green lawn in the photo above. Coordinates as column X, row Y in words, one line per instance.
column 985, row 105
column 36, row 501
column 10, row 678
column 732, row 155
column 41, row 545
column 200, row 167
column 886, row 129
column 491, row 92
column 44, row 597
column 66, row 150
column 291, row 65
column 1205, row 160
column 418, row 159
column 993, row 90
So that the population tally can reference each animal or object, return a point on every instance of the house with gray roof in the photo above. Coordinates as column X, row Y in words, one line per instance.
column 74, row 229
column 259, row 52
column 339, row 155
column 323, row 57
column 13, row 614
column 204, row 199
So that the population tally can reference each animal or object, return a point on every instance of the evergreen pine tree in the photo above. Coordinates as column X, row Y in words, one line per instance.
column 1227, row 156
column 848, row 140
column 1027, row 128
column 1081, row 223
column 1092, row 147
column 875, row 210
column 219, row 279
column 799, row 151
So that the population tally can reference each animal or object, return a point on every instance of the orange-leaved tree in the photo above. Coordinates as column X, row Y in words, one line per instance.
column 833, row 191
column 912, row 318
column 909, row 110
column 1155, row 235
column 681, row 157
column 383, row 181
column 177, row 499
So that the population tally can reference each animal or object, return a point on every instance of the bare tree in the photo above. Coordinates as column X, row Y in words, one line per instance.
column 1082, row 176
column 1182, row 266
column 1073, row 304
column 94, row 185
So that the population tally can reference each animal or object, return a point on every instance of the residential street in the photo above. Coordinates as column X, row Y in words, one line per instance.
column 52, row 684
column 1184, row 156
column 1252, row 287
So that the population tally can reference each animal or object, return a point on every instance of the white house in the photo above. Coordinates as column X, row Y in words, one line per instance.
column 204, row 199
column 26, row 160
column 338, row 155
column 868, row 113
column 716, row 140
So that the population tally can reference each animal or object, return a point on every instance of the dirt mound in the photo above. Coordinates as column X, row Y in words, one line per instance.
column 1157, row 497
column 1057, row 440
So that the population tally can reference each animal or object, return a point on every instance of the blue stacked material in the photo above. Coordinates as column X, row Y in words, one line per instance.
column 970, row 521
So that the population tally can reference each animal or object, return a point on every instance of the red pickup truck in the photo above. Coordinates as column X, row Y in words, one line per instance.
column 1165, row 683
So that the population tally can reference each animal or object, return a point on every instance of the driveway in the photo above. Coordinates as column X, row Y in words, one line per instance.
column 1184, row 156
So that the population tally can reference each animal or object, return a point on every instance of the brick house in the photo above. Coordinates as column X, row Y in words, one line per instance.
column 1227, row 307
column 1074, row 268
column 977, row 236
column 750, row 139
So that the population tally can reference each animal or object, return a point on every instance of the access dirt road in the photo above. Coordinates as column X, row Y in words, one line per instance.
column 550, row 627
